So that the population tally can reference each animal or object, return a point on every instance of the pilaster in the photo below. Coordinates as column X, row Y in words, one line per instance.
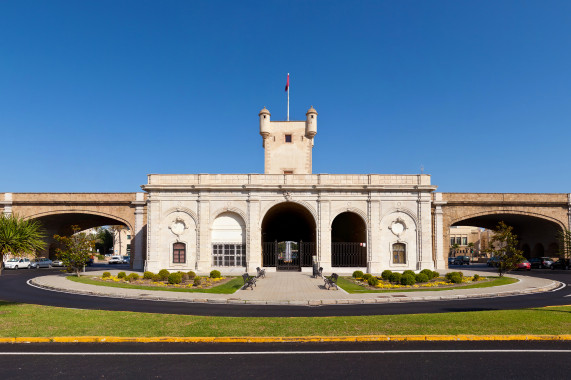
column 7, row 203
column 139, row 259
column 439, row 263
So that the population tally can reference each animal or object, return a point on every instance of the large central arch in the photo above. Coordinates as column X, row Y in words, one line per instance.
column 288, row 237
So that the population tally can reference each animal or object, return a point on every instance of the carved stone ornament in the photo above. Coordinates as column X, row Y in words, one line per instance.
column 398, row 227
column 287, row 195
column 178, row 226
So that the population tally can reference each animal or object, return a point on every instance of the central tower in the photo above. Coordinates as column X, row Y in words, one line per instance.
column 288, row 144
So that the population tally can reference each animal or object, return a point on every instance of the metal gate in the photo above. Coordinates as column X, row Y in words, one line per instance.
column 287, row 255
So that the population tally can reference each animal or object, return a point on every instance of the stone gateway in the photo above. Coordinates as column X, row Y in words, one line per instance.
column 289, row 218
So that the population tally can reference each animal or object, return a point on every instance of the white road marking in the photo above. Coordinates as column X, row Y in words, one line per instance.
column 274, row 352
column 562, row 286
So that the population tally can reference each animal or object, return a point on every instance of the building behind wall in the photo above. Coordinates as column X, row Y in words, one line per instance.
column 288, row 217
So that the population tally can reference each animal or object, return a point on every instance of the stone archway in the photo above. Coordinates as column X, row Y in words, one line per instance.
column 288, row 237
column 348, row 240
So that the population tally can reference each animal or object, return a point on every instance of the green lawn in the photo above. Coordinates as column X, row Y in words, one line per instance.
column 226, row 288
column 22, row 320
column 351, row 287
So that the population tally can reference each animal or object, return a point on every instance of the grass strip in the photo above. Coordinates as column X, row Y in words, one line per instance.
column 351, row 287
column 22, row 320
column 227, row 288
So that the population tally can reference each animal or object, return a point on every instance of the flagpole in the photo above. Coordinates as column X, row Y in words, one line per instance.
column 288, row 97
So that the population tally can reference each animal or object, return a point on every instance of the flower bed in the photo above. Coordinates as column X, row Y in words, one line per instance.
column 410, row 280
column 165, row 279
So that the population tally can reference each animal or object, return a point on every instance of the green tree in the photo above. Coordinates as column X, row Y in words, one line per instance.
column 19, row 236
column 117, row 234
column 455, row 248
column 76, row 250
column 104, row 240
column 471, row 248
column 503, row 244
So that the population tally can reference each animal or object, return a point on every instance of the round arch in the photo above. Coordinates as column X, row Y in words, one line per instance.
column 348, row 240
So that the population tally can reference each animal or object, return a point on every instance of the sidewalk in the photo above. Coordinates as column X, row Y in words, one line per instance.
column 296, row 288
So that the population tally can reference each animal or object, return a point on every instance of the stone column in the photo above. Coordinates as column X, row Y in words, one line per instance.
column 7, row 203
column 569, row 212
column 375, row 264
column 254, row 241
column 440, row 263
column 139, row 259
column 324, row 244
column 426, row 260
column 204, row 249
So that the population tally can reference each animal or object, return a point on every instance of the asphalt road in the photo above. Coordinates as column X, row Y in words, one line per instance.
column 371, row 360
column 13, row 288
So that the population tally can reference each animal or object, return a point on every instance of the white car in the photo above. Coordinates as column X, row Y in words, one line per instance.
column 42, row 262
column 116, row 260
column 17, row 263
column 57, row 263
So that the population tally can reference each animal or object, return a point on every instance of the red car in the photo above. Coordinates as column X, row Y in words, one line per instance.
column 524, row 265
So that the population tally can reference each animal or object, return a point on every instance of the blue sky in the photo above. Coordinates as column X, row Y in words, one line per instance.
column 95, row 95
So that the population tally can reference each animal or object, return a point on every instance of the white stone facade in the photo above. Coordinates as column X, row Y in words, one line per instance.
column 185, row 208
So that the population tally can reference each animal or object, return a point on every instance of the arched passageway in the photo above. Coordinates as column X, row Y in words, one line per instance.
column 534, row 233
column 228, row 241
column 288, row 237
column 348, row 241
column 61, row 224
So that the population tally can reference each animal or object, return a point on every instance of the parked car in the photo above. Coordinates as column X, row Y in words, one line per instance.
column 561, row 264
column 42, row 262
column 126, row 259
column 524, row 265
column 116, row 260
column 461, row 260
column 493, row 261
column 451, row 260
column 540, row 262
column 57, row 263
column 17, row 263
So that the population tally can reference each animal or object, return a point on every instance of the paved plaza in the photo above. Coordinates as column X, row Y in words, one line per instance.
column 296, row 288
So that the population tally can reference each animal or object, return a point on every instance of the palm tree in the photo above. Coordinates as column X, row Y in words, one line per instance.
column 19, row 236
column 117, row 232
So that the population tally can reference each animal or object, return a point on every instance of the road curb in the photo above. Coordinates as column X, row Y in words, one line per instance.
column 327, row 302
column 295, row 339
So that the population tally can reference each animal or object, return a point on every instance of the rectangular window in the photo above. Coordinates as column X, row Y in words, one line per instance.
column 452, row 241
column 464, row 241
column 179, row 253
column 229, row 255
column 399, row 253
column 129, row 237
column 129, row 248
column 287, row 138
column 288, row 171
column 458, row 240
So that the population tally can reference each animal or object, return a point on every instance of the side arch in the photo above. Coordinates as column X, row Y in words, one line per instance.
column 301, row 203
column 88, row 212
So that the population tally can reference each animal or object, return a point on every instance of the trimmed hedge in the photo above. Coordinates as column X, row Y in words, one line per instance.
column 421, row 277
column 395, row 277
column 358, row 274
column 454, row 277
column 164, row 274
column 373, row 281
column 428, row 273
column 407, row 279
column 197, row 281
column 121, row 275
column 214, row 274
column 133, row 277
column 106, row 275
column 148, row 275
column 408, row 271
column 386, row 274
column 175, row 278
column 367, row 276
column 191, row 274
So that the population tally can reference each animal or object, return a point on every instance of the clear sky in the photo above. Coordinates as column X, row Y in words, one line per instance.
column 95, row 95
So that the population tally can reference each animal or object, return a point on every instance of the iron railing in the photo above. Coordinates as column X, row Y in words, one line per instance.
column 348, row 255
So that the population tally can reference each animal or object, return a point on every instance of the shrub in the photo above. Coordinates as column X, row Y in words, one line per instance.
column 175, row 278
column 358, row 274
column 428, row 273
column 197, row 281
column 435, row 274
column 157, row 278
column 454, row 277
column 407, row 279
column 421, row 277
column 106, row 275
column 408, row 271
column 185, row 277
column 367, row 276
column 101, row 257
column 121, row 275
column 164, row 274
column 386, row 274
column 191, row 274
column 133, row 277
column 476, row 277
column 395, row 277
column 373, row 281
column 148, row 275
column 214, row 274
